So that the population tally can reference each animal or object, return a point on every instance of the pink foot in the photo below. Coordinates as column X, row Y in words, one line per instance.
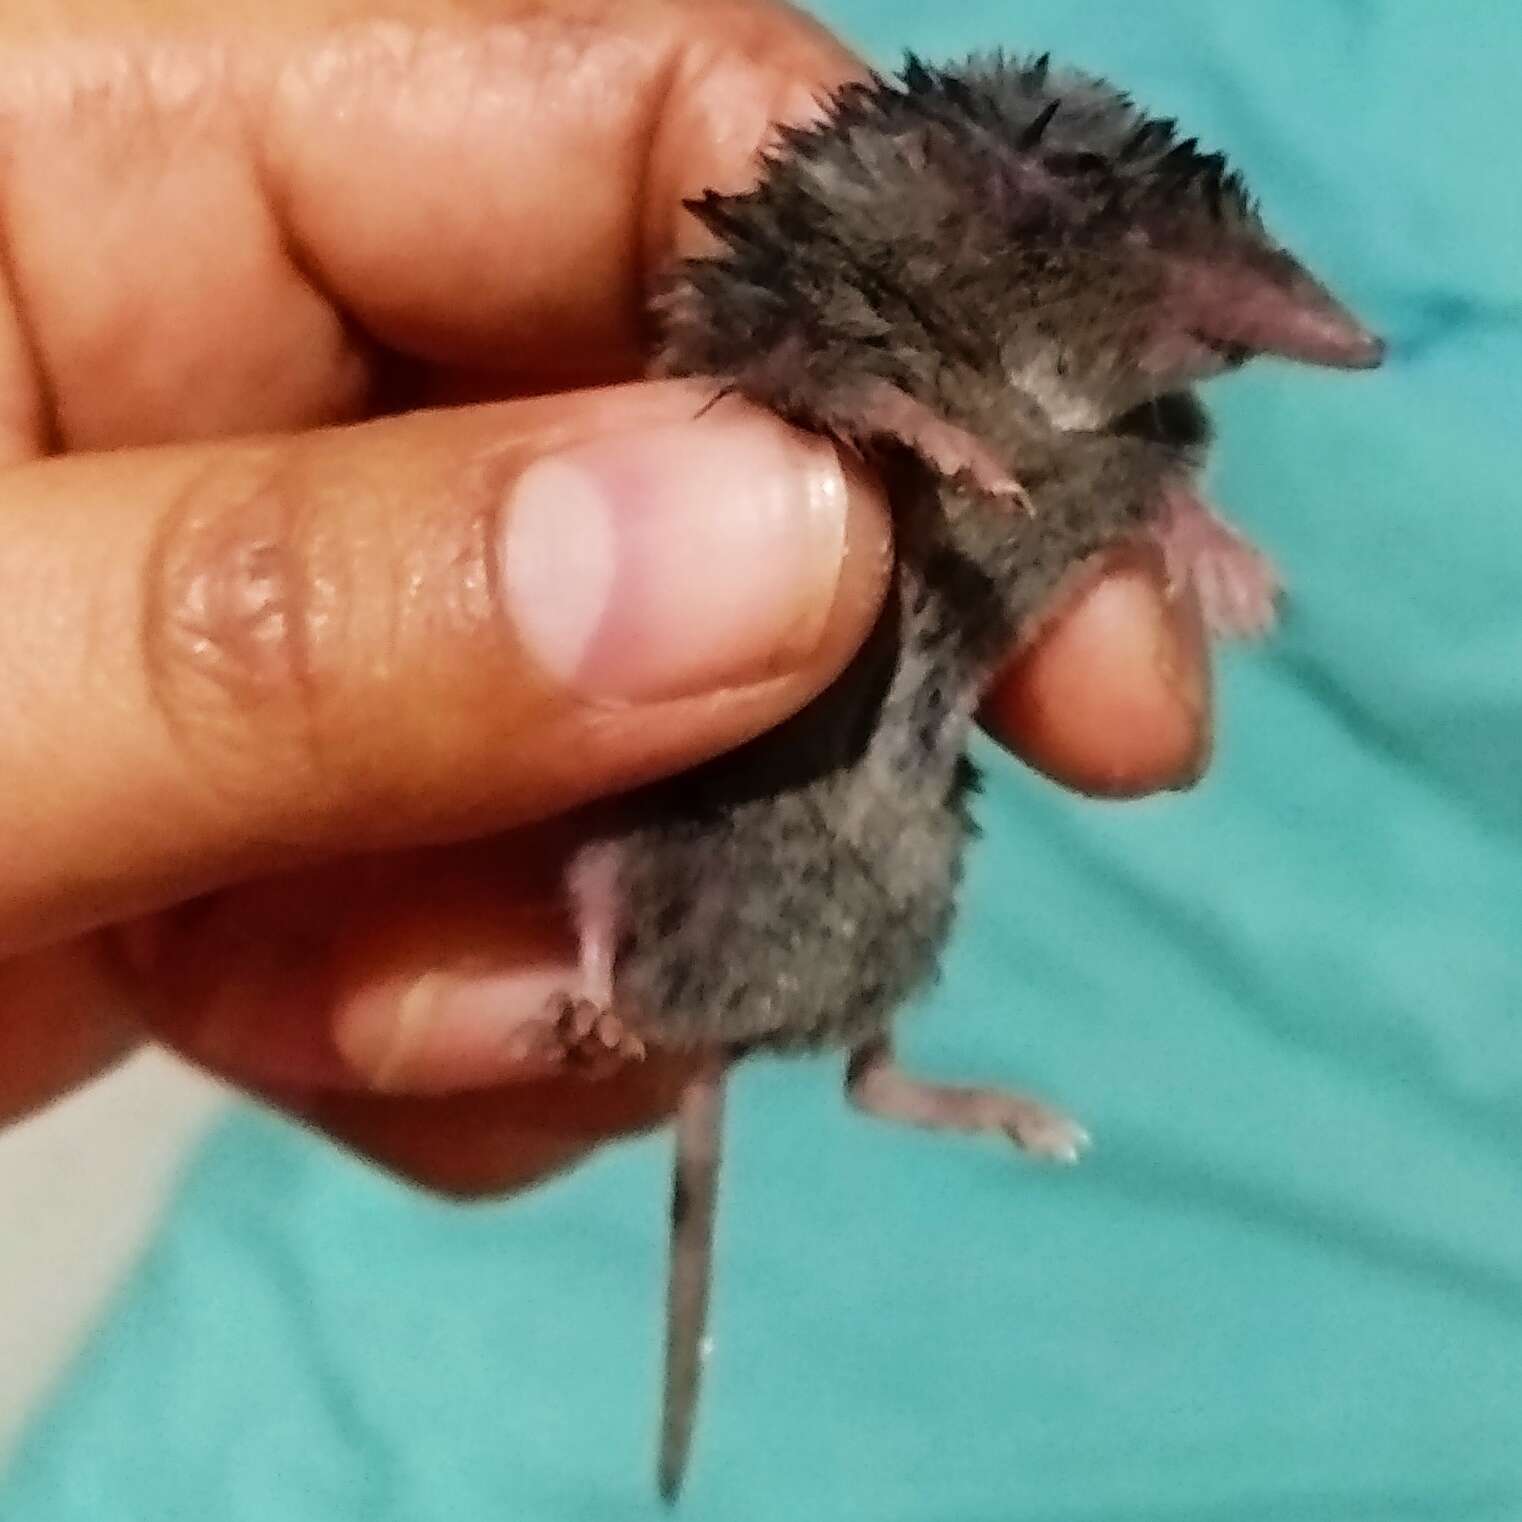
column 582, row 1034
column 587, row 1040
column 877, row 1086
column 1236, row 584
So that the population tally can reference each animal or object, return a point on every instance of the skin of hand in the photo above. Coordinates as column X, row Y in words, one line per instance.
column 347, row 558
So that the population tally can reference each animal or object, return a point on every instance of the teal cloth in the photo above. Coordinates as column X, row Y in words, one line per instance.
column 1288, row 1285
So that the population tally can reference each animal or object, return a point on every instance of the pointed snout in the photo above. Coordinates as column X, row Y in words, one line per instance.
column 1366, row 351
column 1267, row 303
column 1314, row 327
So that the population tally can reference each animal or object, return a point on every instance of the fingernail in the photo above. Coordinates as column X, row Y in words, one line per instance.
column 682, row 560
column 446, row 1031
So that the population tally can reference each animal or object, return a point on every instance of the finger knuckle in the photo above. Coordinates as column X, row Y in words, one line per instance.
column 239, row 621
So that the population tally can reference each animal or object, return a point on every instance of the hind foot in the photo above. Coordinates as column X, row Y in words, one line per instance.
column 877, row 1086
column 588, row 1040
column 1237, row 585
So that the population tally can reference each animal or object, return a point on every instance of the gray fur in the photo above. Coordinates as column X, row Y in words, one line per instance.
column 998, row 283
column 795, row 894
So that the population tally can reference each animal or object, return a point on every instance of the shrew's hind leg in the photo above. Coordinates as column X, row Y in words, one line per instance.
column 876, row 1085
column 1236, row 583
column 582, row 1031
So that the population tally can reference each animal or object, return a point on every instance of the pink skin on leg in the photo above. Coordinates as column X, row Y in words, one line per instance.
column 877, row 1086
column 883, row 410
column 592, row 884
column 584, row 1031
column 1237, row 585
column 953, row 451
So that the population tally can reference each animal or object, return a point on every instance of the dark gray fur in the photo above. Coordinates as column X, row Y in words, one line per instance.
column 794, row 895
column 963, row 242
column 1022, row 257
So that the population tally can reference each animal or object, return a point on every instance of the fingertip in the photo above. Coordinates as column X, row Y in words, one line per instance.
column 445, row 1031
column 1113, row 699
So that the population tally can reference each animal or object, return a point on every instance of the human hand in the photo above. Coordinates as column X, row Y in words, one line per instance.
column 302, row 702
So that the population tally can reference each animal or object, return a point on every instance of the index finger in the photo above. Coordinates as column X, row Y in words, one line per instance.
column 235, row 228
column 501, row 196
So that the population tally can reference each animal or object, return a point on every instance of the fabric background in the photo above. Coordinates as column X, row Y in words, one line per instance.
column 1288, row 1285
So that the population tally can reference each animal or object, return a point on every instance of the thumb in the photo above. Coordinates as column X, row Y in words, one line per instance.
column 230, row 658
